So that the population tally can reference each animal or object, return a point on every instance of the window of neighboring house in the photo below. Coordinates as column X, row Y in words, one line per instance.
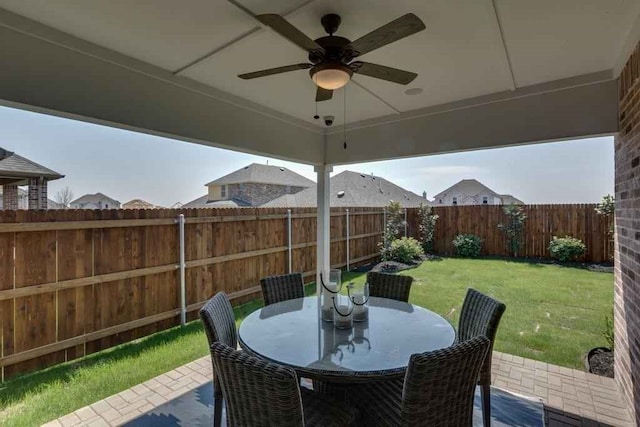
column 440, row 201
column 106, row 206
column 455, row 200
column 223, row 191
column 485, row 200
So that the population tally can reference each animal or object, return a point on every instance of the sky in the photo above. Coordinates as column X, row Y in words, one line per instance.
column 127, row 165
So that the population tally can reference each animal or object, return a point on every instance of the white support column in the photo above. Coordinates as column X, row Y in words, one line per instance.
column 323, row 239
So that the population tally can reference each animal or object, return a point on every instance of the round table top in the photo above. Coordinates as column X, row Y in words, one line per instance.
column 291, row 333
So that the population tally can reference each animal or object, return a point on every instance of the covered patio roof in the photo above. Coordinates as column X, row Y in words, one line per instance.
column 491, row 73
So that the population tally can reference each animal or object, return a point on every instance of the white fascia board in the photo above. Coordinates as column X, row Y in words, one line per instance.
column 44, row 70
column 560, row 114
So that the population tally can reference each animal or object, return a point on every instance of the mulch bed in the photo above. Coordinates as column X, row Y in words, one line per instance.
column 392, row 266
column 601, row 363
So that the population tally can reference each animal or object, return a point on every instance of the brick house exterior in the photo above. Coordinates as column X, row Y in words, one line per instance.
column 627, row 236
column 257, row 194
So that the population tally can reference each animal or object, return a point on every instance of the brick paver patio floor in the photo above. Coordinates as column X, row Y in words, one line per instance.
column 571, row 397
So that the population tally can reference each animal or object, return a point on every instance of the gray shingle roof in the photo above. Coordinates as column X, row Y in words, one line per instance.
column 264, row 174
column 14, row 165
column 353, row 189
column 203, row 202
column 92, row 198
column 472, row 188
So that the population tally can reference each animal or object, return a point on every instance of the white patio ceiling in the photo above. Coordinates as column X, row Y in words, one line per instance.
column 493, row 73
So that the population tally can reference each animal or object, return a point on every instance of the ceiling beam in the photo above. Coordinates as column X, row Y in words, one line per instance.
column 500, row 34
column 256, row 30
column 575, row 112
column 44, row 70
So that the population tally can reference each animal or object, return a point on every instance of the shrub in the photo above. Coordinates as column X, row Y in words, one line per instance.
column 607, row 332
column 566, row 248
column 514, row 228
column 427, row 226
column 405, row 250
column 392, row 228
column 467, row 245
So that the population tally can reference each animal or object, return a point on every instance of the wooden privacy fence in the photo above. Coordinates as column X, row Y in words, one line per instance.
column 542, row 223
column 75, row 282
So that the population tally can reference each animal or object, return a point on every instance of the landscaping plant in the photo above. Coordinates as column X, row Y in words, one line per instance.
column 606, row 208
column 427, row 226
column 467, row 245
column 392, row 228
column 566, row 248
column 514, row 228
column 608, row 333
column 405, row 250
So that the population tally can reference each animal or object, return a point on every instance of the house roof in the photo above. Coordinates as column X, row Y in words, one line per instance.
column 139, row 204
column 203, row 202
column 265, row 174
column 351, row 189
column 93, row 198
column 13, row 165
column 472, row 188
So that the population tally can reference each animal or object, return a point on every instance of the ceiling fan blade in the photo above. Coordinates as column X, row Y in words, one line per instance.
column 382, row 72
column 289, row 32
column 270, row 71
column 402, row 27
column 323, row 94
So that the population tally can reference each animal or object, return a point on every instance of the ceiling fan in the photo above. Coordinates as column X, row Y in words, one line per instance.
column 331, row 57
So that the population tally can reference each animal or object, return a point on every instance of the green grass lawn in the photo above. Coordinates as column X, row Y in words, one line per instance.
column 554, row 314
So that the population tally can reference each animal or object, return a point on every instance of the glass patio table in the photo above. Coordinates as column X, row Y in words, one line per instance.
column 290, row 333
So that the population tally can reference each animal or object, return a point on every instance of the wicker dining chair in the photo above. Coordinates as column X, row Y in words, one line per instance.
column 220, row 326
column 261, row 393
column 282, row 288
column 438, row 390
column 390, row 286
column 480, row 316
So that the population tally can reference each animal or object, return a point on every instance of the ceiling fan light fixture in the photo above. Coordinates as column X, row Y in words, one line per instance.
column 331, row 76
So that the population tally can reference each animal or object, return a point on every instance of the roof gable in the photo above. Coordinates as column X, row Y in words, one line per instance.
column 264, row 174
column 14, row 165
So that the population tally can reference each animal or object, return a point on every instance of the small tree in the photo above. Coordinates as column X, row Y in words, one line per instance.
column 514, row 228
column 427, row 226
column 64, row 197
column 606, row 208
column 392, row 228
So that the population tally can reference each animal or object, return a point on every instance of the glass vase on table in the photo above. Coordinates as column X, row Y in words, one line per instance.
column 360, row 298
column 329, row 289
column 343, row 312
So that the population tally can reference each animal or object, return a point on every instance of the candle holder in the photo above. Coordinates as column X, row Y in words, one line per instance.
column 343, row 312
column 360, row 300
column 327, row 292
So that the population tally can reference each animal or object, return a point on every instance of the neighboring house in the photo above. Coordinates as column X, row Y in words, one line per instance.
column 253, row 185
column 139, row 204
column 94, row 201
column 17, row 171
column 472, row 192
column 354, row 189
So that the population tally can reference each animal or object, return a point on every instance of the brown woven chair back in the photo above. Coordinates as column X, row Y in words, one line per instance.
column 439, row 386
column 480, row 316
column 282, row 288
column 390, row 286
column 256, row 392
column 220, row 326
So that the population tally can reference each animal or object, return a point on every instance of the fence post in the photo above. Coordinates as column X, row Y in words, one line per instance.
column 405, row 222
column 183, row 291
column 289, row 242
column 347, row 239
